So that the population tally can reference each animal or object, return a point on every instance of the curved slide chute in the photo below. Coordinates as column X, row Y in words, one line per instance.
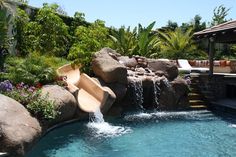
column 89, row 94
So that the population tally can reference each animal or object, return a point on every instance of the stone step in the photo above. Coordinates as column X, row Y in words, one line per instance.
column 195, row 96
column 198, row 107
column 196, row 102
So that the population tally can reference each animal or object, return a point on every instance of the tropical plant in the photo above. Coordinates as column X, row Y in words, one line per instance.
column 176, row 44
column 88, row 40
column 124, row 41
column 32, row 70
column 31, row 97
column 146, row 40
column 6, row 4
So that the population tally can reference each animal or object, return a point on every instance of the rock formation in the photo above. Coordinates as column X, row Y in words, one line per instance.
column 140, row 82
column 65, row 103
column 18, row 130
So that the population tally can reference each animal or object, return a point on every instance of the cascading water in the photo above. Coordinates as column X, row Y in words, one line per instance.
column 156, row 92
column 137, row 87
column 100, row 128
column 166, row 83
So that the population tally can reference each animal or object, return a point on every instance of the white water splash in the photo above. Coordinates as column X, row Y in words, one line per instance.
column 167, row 83
column 100, row 128
column 232, row 125
column 166, row 115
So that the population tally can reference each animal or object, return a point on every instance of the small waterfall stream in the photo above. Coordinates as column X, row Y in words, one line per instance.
column 100, row 128
column 156, row 92
column 137, row 88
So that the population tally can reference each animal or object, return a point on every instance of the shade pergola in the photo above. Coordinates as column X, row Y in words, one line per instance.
column 222, row 33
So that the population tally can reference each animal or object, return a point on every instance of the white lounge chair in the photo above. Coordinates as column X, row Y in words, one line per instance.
column 184, row 66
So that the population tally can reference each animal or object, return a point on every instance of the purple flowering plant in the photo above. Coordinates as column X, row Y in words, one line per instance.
column 6, row 86
column 21, row 92
column 31, row 98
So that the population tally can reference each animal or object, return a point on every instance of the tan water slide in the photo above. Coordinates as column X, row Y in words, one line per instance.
column 90, row 95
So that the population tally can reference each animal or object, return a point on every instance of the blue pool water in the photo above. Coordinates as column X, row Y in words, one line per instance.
column 156, row 134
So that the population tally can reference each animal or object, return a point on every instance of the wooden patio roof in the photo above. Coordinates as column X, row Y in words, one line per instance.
column 222, row 33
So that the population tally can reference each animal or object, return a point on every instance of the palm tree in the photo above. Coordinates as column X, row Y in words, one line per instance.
column 124, row 40
column 6, row 4
column 176, row 44
column 147, row 40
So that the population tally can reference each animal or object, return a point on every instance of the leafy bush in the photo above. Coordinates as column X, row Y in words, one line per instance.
column 52, row 32
column 30, row 96
column 21, row 22
column 42, row 107
column 47, row 34
column 32, row 70
column 88, row 40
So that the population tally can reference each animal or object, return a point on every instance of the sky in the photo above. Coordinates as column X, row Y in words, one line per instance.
column 132, row 12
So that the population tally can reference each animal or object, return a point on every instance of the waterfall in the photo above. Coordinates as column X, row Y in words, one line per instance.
column 137, row 88
column 167, row 83
column 156, row 92
column 100, row 128
column 97, row 116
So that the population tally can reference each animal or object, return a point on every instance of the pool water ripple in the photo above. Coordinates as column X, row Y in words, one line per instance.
column 150, row 134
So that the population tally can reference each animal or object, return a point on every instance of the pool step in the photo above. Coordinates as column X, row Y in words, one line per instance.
column 196, row 98
column 196, row 102
column 198, row 107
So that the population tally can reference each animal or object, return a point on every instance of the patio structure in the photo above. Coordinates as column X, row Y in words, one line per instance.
column 219, row 89
column 222, row 33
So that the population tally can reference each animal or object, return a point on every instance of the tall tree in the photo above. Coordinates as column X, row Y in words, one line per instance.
column 197, row 24
column 219, row 15
column 171, row 25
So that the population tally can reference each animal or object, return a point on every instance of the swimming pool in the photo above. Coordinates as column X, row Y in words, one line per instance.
column 164, row 134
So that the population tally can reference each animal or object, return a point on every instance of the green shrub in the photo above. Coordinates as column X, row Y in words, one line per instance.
column 47, row 34
column 21, row 22
column 87, row 41
column 30, row 96
column 31, row 71
column 42, row 107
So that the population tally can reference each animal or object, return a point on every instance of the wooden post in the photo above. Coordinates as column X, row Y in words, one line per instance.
column 211, row 55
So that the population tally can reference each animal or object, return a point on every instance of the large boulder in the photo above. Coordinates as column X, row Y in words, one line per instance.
column 18, row 130
column 174, row 95
column 65, row 102
column 128, row 62
column 109, row 69
column 181, row 89
column 170, row 69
